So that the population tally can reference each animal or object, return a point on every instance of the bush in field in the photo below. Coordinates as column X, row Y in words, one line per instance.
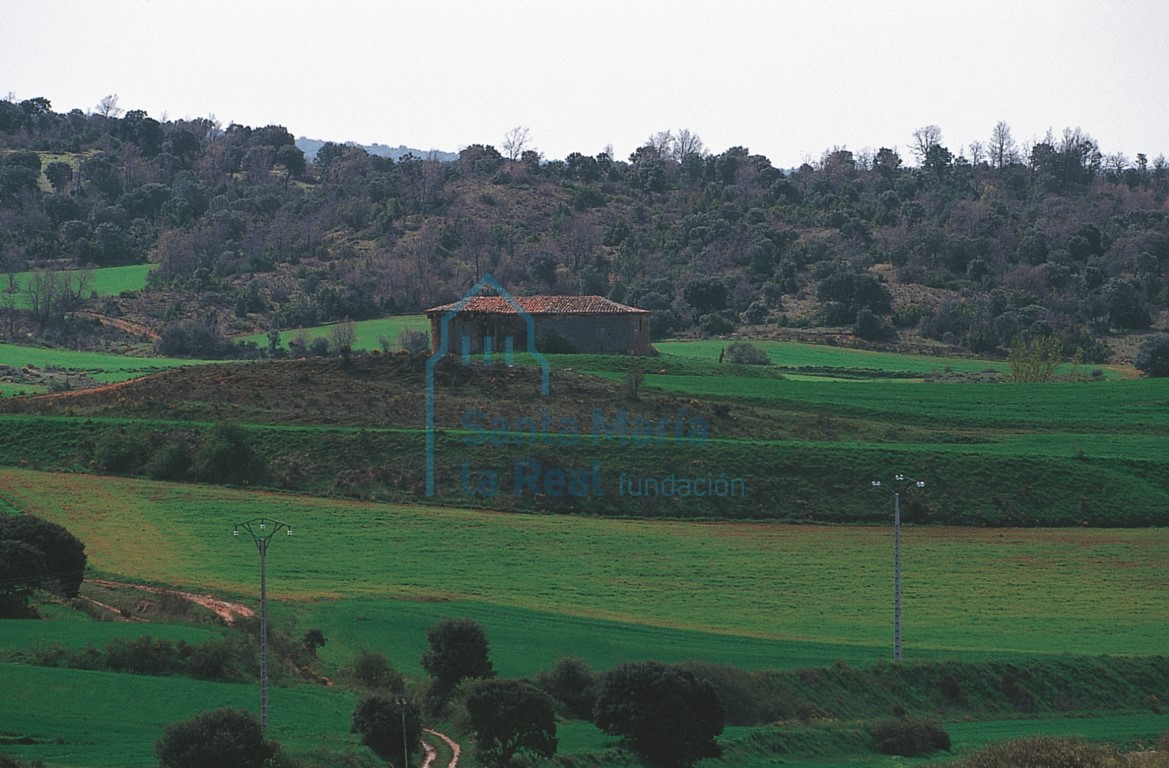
column 458, row 650
column 1153, row 356
column 378, row 718
column 909, row 738
column 122, row 450
column 510, row 716
column 373, row 670
column 414, row 342
column 171, row 459
column 37, row 554
column 743, row 353
column 224, row 455
column 225, row 738
column 872, row 327
column 665, row 713
column 1040, row 752
column 572, row 684
column 1033, row 361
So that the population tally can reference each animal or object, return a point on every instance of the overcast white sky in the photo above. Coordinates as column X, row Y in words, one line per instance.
column 785, row 79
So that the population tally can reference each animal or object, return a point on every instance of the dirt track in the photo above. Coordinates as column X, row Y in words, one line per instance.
column 226, row 610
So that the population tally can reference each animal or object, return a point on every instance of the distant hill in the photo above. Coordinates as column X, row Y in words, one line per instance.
column 246, row 235
column 311, row 146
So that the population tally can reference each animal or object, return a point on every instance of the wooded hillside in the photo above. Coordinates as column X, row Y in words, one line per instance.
column 972, row 247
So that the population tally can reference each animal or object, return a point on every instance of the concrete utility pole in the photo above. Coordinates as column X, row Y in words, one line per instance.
column 401, row 701
column 262, row 529
column 899, row 485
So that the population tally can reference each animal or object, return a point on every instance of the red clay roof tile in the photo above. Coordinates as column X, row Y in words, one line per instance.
column 543, row 305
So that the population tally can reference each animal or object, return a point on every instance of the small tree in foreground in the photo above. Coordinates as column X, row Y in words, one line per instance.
column 665, row 713
column 225, row 738
column 510, row 716
column 378, row 718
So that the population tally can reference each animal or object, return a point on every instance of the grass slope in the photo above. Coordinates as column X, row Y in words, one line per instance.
column 966, row 590
column 101, row 366
column 107, row 281
column 369, row 332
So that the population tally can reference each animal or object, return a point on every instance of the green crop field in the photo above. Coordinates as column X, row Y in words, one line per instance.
column 967, row 590
column 100, row 366
column 369, row 332
column 754, row 595
column 106, row 281
column 810, row 431
column 100, row 719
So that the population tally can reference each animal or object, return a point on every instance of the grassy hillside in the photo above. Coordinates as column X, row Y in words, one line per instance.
column 971, row 590
column 805, row 450
column 990, row 614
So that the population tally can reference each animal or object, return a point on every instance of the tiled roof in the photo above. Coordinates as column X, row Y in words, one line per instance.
column 542, row 305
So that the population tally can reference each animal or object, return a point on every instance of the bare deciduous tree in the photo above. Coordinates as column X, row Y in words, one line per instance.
column 342, row 336
column 108, row 106
column 1001, row 149
column 977, row 153
column 924, row 139
column 516, row 141
column 662, row 142
column 687, row 143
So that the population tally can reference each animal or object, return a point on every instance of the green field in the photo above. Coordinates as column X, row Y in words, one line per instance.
column 967, row 590
column 106, row 281
column 100, row 366
column 761, row 596
column 369, row 332
column 754, row 595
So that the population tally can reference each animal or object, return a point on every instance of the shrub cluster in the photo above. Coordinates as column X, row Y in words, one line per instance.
column 1041, row 752
column 744, row 353
column 226, row 659
column 909, row 738
column 222, row 454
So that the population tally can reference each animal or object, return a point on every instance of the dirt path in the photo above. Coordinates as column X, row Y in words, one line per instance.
column 431, row 752
column 224, row 609
column 129, row 326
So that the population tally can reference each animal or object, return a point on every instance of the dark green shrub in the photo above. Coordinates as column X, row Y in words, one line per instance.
column 1153, row 356
column 872, row 327
column 716, row 323
column 379, row 720
column 909, row 738
column 225, row 738
column 572, row 684
column 122, row 450
column 224, row 455
column 171, row 459
column 143, row 656
column 744, row 353
column 373, row 670
column 665, row 713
